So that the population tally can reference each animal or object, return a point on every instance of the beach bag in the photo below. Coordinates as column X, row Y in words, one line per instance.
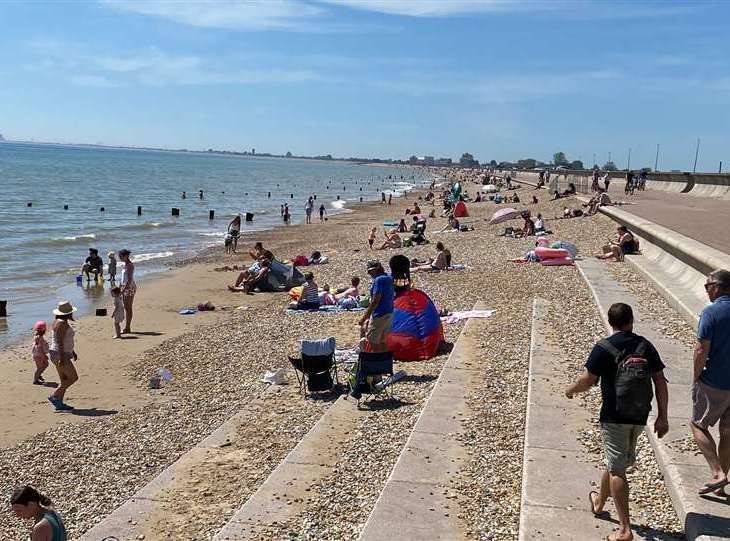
column 634, row 390
column 301, row 261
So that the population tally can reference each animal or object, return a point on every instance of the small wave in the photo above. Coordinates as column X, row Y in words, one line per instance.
column 339, row 204
column 71, row 239
column 149, row 225
column 220, row 234
column 138, row 258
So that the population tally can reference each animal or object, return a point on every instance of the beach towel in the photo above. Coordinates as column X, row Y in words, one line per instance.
column 331, row 309
column 455, row 317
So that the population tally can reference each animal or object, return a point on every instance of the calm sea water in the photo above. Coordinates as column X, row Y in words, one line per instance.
column 43, row 246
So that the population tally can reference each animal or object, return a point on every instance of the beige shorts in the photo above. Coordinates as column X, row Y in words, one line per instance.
column 710, row 405
column 378, row 329
column 619, row 445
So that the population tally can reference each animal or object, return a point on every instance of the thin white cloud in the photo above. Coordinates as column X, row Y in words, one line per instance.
column 97, row 81
column 568, row 9
column 427, row 8
column 152, row 67
column 226, row 14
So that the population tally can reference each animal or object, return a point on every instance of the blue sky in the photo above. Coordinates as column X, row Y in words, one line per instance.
column 389, row 78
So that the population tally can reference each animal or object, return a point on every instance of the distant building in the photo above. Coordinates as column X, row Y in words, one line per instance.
column 443, row 162
column 253, row 151
column 428, row 160
column 1, row 137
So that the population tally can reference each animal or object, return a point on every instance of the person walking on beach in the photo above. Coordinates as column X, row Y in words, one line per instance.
column 40, row 352
column 711, row 382
column 376, row 321
column 27, row 503
column 308, row 208
column 62, row 353
column 234, row 230
column 382, row 198
column 627, row 365
column 128, row 288
column 112, row 267
column 322, row 212
column 390, row 198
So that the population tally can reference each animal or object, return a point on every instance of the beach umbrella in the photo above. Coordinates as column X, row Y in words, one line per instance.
column 504, row 215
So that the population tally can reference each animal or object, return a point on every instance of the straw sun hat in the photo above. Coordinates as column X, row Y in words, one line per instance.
column 64, row 308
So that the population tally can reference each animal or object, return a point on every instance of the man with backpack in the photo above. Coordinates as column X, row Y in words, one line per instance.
column 627, row 365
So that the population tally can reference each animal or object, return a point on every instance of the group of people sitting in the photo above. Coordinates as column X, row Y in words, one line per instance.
column 256, row 274
column 311, row 298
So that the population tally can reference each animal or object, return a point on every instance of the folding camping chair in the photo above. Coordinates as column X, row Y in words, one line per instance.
column 315, row 369
column 371, row 375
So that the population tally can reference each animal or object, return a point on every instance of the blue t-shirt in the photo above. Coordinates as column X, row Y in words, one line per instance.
column 382, row 284
column 715, row 327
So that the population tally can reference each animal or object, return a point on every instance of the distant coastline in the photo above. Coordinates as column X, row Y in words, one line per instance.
column 210, row 151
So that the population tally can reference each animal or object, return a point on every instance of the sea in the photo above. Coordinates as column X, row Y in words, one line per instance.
column 60, row 200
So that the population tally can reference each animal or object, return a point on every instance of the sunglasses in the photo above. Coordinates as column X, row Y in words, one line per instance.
column 708, row 284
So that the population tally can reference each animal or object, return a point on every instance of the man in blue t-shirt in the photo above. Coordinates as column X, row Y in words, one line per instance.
column 376, row 321
column 619, row 429
column 711, row 382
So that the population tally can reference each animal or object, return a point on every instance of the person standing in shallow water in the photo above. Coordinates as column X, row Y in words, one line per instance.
column 128, row 288
column 322, row 212
column 27, row 503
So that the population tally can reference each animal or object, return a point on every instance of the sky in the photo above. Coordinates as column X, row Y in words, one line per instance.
column 389, row 78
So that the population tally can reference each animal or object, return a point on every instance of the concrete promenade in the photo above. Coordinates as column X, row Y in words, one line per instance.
column 703, row 219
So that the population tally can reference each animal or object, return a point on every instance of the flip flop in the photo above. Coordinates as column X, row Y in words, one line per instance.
column 590, row 502
column 712, row 487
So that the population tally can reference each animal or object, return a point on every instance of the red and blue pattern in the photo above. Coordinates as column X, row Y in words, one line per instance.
column 416, row 333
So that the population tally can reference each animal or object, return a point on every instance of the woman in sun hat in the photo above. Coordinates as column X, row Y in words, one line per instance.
column 62, row 353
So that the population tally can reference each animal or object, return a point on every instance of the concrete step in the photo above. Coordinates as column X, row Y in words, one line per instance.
column 415, row 503
column 683, row 472
column 285, row 491
column 132, row 520
column 552, row 500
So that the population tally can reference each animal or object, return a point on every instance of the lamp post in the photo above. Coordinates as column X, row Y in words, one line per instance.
column 697, row 153
column 656, row 160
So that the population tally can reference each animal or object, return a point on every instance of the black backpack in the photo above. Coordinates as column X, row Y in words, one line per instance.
column 634, row 390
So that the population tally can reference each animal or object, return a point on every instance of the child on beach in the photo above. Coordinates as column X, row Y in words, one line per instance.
column 40, row 352
column 118, row 313
column 371, row 238
column 112, row 270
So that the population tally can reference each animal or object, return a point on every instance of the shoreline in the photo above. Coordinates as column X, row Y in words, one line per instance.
column 22, row 312
column 182, row 283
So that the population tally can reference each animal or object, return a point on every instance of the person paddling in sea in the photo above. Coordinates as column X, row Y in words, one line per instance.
column 93, row 265
column 27, row 503
column 322, row 212
column 128, row 288
column 234, row 230
column 62, row 354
